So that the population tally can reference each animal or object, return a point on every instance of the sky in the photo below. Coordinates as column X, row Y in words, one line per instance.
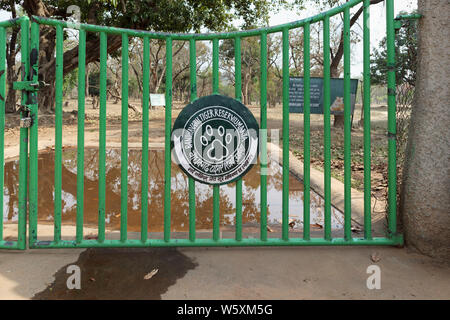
column 377, row 25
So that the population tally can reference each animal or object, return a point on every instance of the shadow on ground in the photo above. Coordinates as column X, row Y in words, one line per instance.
column 119, row 274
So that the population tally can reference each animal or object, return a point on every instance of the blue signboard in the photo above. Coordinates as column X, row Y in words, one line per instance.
column 316, row 93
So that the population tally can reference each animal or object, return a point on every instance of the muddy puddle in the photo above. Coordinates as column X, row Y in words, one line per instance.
column 179, row 194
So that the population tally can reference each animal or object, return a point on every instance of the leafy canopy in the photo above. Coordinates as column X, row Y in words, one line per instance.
column 171, row 15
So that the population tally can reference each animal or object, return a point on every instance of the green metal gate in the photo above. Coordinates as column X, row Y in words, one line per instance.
column 29, row 86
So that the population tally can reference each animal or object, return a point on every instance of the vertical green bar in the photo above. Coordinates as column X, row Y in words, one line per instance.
column 263, row 137
column 102, row 139
column 367, row 152
column 216, row 217
column 58, row 131
column 392, row 145
column 23, row 157
column 326, row 126
column 2, row 121
column 33, row 187
column 124, row 143
column 215, row 74
column 238, row 96
column 347, row 130
column 80, row 137
column 216, row 191
column 285, row 195
column 168, row 126
column 306, row 130
column 145, row 120
column 193, row 89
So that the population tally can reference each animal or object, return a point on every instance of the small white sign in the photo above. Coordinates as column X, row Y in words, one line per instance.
column 157, row 100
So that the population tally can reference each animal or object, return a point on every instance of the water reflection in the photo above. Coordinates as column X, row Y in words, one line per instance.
column 179, row 194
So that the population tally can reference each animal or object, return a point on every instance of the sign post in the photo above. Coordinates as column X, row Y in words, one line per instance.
column 316, row 90
column 157, row 100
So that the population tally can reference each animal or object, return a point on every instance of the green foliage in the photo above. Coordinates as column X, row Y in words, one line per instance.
column 70, row 81
column 172, row 16
column 406, row 56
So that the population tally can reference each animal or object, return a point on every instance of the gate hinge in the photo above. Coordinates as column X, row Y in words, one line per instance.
column 400, row 20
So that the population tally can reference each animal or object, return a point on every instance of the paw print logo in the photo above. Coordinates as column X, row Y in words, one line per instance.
column 213, row 142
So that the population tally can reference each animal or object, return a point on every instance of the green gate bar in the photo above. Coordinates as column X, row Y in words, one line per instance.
column 347, row 130
column 392, row 124
column 80, row 136
column 33, row 170
column 2, row 121
column 58, row 132
column 238, row 96
column 391, row 239
column 145, row 123
column 124, row 144
column 193, row 90
column 366, row 111
column 285, row 194
column 102, row 138
column 167, row 128
column 326, row 127
column 306, row 131
column 23, row 157
column 263, row 137
column 216, row 189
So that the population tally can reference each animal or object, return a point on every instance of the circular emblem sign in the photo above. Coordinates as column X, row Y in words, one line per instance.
column 215, row 140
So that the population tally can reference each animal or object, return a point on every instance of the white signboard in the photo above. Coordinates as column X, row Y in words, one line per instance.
column 157, row 100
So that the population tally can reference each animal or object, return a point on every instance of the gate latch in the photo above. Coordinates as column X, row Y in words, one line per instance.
column 26, row 121
column 26, row 85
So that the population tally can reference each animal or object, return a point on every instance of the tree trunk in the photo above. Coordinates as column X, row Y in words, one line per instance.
column 46, row 96
column 11, row 73
column 425, row 200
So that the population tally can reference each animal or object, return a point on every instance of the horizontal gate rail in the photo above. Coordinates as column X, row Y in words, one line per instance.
column 391, row 238
column 273, row 242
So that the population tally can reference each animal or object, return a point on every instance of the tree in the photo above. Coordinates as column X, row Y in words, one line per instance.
column 12, row 49
column 425, row 203
column 337, row 55
column 405, row 55
column 250, row 64
column 164, row 15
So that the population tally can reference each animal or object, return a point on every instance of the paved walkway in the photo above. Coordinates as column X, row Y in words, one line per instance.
column 223, row 273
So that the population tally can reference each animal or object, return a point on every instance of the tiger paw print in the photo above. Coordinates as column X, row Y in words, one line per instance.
column 215, row 150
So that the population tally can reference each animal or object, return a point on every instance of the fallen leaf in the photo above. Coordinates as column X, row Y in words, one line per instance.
column 92, row 279
column 375, row 257
column 316, row 225
column 269, row 229
column 150, row 274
